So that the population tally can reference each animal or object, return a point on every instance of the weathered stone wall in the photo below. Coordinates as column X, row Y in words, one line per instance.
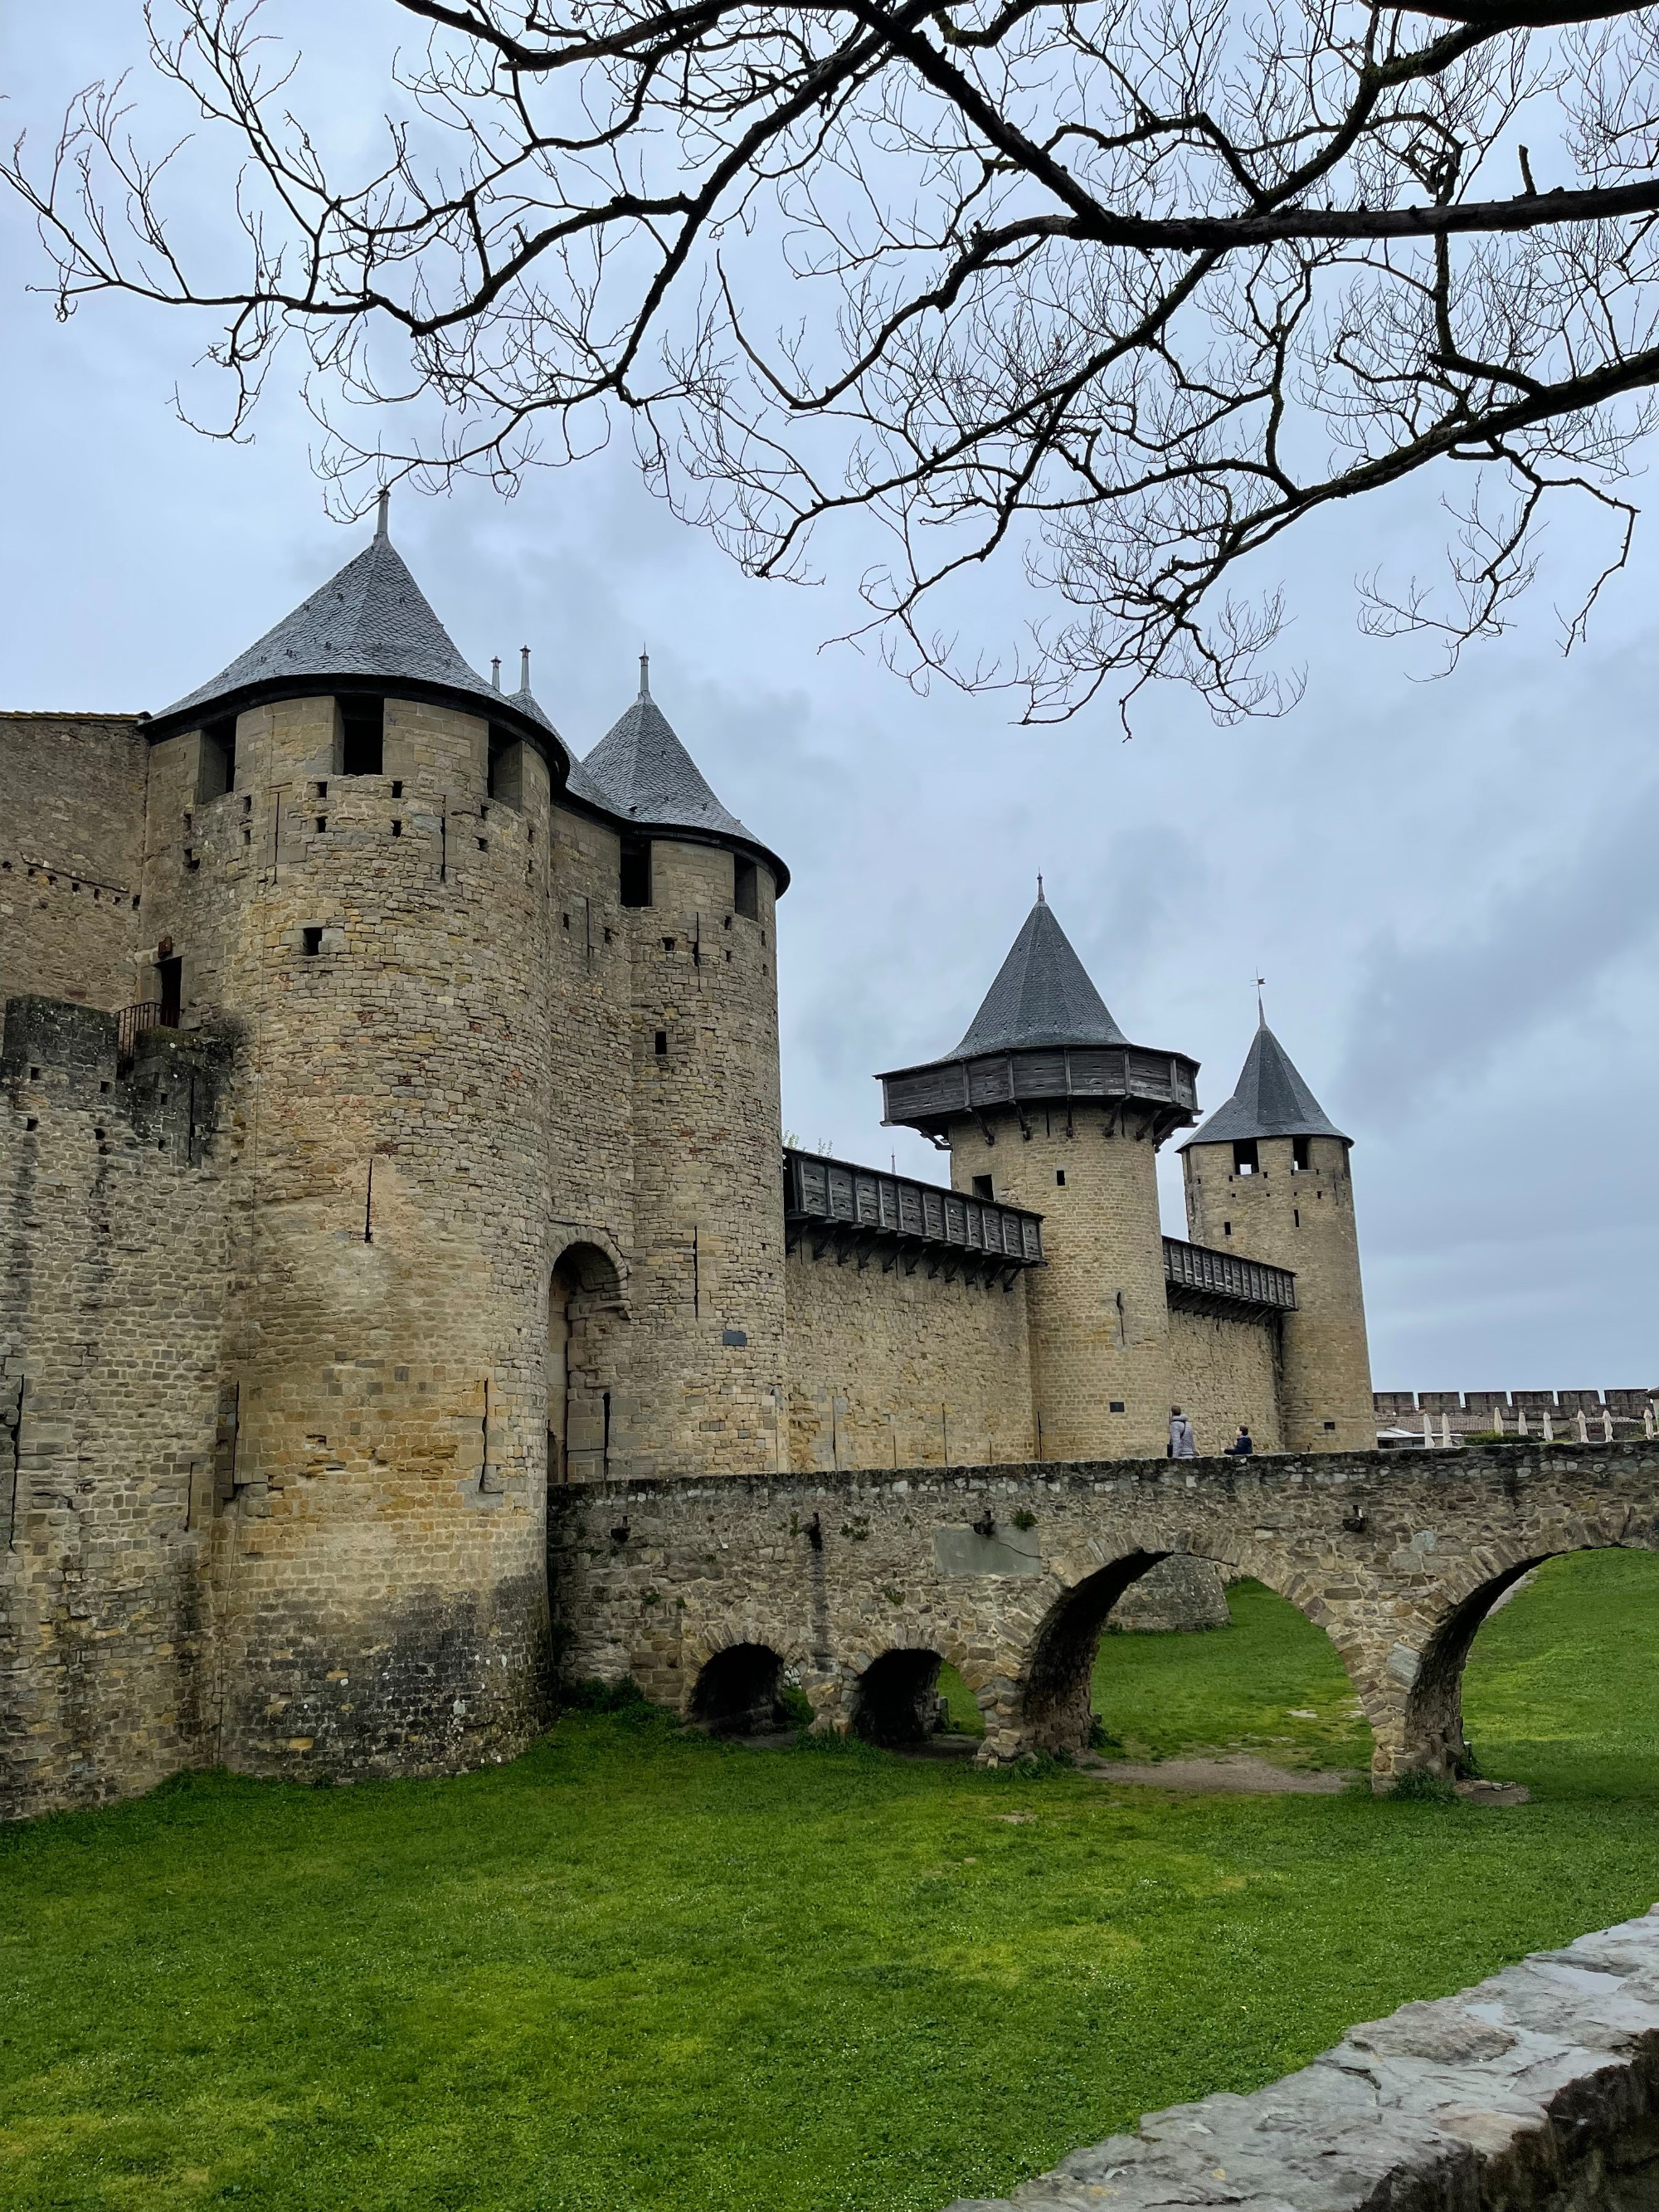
column 1535, row 2091
column 113, row 1226
column 1010, row 1573
column 1302, row 1220
column 889, row 1369
column 71, row 845
column 1179, row 1595
column 707, row 1297
column 1226, row 1372
column 376, row 1573
column 1099, row 1317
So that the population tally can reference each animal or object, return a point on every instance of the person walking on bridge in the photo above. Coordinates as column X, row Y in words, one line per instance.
column 1183, row 1445
column 1243, row 1444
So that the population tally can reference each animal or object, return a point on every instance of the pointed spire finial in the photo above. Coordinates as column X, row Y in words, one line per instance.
column 645, row 675
column 383, row 520
column 1261, row 1013
column 1040, row 900
column 495, row 672
column 524, row 668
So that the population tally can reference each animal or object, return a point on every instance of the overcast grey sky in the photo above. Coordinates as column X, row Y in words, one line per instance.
column 1449, row 886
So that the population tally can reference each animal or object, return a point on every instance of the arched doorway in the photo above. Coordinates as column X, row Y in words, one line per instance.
column 586, row 1408
column 739, row 1692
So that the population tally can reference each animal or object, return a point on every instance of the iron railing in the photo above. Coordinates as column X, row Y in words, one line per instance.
column 130, row 1023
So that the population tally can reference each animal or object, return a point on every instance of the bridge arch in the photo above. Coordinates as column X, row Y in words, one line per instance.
column 1433, row 1738
column 738, row 1691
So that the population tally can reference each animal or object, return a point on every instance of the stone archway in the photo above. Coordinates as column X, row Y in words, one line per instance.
column 1057, row 1710
column 739, row 1692
column 896, row 1697
column 587, row 1427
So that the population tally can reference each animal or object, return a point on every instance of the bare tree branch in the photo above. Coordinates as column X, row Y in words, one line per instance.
column 1117, row 292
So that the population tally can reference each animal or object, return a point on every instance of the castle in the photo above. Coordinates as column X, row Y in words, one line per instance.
column 391, row 1129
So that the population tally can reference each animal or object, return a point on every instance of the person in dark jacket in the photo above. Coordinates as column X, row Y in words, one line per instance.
column 1242, row 1444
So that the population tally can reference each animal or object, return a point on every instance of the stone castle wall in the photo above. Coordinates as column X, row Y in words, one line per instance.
column 707, row 1299
column 1302, row 1220
column 114, row 1233
column 71, row 855
column 1226, row 1372
column 888, row 1368
column 1099, row 1316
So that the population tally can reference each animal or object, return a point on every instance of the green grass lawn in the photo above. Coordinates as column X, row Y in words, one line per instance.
column 641, row 1969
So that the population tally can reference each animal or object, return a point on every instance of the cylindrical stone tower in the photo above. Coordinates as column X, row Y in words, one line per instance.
column 1046, row 1104
column 698, row 895
column 1268, row 1177
column 345, row 892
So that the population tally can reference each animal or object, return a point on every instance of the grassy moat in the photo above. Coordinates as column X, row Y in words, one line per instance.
column 641, row 1969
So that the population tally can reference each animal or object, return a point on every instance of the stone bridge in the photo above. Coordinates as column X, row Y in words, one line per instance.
column 857, row 1586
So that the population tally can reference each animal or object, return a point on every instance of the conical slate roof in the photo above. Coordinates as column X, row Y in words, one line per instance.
column 371, row 622
column 1270, row 1100
column 642, row 771
column 1041, row 996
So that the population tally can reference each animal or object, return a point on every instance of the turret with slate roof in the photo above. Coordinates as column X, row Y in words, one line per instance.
column 1042, row 1037
column 1268, row 1179
column 646, row 776
column 1270, row 1100
column 1046, row 1104
column 369, row 629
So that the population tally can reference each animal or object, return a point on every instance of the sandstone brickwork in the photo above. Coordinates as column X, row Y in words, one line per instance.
column 889, row 1368
column 1225, row 1370
column 113, row 1229
column 72, row 847
column 1100, row 1358
column 1303, row 1219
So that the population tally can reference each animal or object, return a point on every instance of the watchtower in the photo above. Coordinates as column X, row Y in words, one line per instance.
column 698, row 893
column 347, row 833
column 1268, row 1177
column 1046, row 1104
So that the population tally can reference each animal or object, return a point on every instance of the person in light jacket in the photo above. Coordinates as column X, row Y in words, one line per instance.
column 1183, row 1445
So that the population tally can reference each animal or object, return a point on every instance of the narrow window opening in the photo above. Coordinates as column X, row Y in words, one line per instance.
column 746, row 888
column 217, row 772
column 396, row 829
column 505, row 767
column 1245, row 1161
column 635, row 877
column 483, row 844
column 312, row 940
column 1059, row 1177
column 1296, row 1216
column 982, row 1187
column 669, row 942
column 322, row 823
column 322, row 788
column 247, row 837
column 362, row 736
column 170, row 975
column 662, row 1044
column 1301, row 1154
column 397, row 788
column 1226, row 1228
column 1115, row 1405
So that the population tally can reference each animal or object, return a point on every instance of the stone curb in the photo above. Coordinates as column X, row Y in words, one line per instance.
column 1538, row 2087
